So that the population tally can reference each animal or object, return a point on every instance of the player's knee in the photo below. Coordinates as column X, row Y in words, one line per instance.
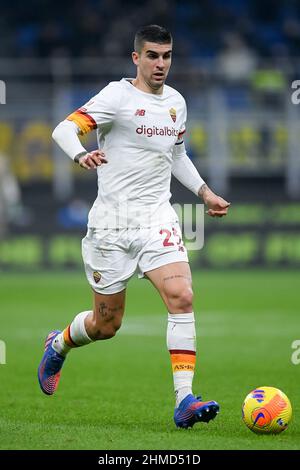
column 103, row 333
column 116, row 324
column 181, row 301
column 106, row 330
column 107, row 333
column 185, row 300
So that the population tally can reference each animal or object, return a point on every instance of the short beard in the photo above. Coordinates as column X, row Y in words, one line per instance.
column 155, row 86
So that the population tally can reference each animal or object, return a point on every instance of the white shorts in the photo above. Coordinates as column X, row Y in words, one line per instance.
column 112, row 256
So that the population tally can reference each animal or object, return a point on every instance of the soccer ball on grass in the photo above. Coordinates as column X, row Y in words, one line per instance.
column 266, row 410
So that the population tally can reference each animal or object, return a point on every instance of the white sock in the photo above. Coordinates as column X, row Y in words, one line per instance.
column 60, row 346
column 181, row 342
column 73, row 336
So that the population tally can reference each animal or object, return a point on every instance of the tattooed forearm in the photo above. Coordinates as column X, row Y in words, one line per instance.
column 203, row 188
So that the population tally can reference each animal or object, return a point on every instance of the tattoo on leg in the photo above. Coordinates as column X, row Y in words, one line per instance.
column 176, row 276
column 115, row 309
column 104, row 310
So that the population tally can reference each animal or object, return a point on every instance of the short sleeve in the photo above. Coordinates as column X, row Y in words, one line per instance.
column 100, row 111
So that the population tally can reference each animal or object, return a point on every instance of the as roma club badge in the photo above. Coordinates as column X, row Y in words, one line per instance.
column 172, row 112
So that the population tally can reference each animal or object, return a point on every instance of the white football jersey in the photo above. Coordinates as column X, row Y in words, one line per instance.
column 137, row 131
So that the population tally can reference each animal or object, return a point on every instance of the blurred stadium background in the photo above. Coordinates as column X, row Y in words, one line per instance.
column 234, row 61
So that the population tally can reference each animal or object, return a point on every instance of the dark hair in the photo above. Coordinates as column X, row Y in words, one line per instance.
column 151, row 33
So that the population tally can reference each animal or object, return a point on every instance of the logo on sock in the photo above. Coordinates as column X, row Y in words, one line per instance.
column 183, row 360
column 178, row 367
column 96, row 276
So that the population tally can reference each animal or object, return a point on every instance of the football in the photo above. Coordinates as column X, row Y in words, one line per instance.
column 266, row 410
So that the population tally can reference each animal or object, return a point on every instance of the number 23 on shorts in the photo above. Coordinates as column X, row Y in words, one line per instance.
column 172, row 238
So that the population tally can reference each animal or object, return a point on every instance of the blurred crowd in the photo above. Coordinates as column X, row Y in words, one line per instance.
column 238, row 59
column 206, row 28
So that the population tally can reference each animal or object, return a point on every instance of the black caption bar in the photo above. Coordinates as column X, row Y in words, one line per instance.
column 134, row 458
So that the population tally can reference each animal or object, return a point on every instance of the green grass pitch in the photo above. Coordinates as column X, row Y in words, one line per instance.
column 118, row 394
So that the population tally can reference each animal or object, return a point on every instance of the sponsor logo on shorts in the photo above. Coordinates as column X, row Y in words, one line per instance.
column 172, row 112
column 96, row 276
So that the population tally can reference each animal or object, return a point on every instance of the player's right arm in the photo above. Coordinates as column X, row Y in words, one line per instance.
column 99, row 111
column 66, row 136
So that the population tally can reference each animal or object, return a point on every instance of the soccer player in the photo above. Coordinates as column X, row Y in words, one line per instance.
column 132, row 227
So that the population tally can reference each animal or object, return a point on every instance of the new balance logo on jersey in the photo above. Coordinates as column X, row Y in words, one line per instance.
column 140, row 112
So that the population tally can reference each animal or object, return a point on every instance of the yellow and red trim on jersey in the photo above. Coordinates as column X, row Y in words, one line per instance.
column 84, row 121
column 179, row 138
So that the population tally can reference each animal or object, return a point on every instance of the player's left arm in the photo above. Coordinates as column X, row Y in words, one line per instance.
column 217, row 206
column 186, row 172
